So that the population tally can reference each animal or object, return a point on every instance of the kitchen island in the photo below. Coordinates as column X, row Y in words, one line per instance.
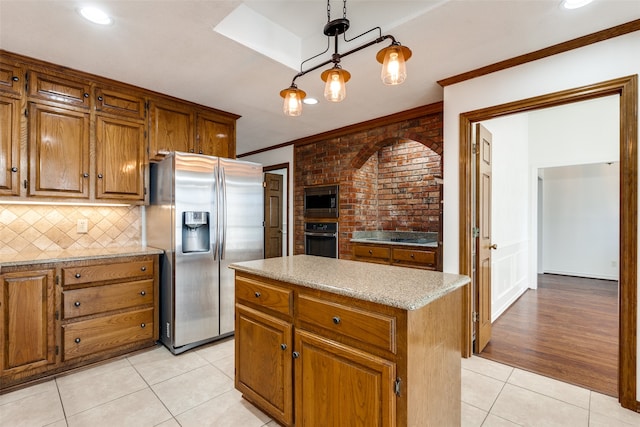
column 329, row 342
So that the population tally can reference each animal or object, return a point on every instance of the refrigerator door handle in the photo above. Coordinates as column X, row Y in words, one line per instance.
column 223, row 209
column 216, row 235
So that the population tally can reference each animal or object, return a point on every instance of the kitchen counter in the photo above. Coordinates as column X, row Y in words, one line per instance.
column 404, row 238
column 45, row 257
column 399, row 287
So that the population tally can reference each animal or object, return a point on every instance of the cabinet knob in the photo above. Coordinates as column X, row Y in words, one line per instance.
column 77, row 340
column 14, row 169
column 77, row 303
column 143, row 268
column 191, row 150
column 257, row 294
column 370, row 252
column 336, row 320
column 86, row 95
column 100, row 98
column 142, row 325
column 412, row 256
column 85, row 175
column 100, row 176
column 295, row 354
column 283, row 346
column 15, row 78
column 143, row 293
column 77, row 275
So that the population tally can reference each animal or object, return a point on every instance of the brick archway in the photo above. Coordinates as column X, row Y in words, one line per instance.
column 385, row 140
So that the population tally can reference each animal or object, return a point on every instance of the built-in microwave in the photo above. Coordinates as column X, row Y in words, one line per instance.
column 321, row 202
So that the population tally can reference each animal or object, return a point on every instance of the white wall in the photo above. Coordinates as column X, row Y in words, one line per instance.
column 509, row 210
column 580, row 67
column 581, row 218
column 276, row 157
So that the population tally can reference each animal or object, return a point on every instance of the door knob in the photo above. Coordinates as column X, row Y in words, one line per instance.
column 494, row 246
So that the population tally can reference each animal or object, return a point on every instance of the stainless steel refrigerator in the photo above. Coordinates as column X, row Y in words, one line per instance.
column 205, row 213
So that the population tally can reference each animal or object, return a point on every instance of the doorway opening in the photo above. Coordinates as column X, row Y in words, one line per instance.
column 626, row 88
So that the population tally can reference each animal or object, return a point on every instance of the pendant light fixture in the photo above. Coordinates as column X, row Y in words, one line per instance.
column 392, row 58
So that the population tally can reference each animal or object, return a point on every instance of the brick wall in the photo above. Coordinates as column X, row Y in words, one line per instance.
column 385, row 177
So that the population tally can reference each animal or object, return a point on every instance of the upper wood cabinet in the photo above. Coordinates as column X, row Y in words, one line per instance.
column 216, row 135
column 171, row 129
column 120, row 159
column 58, row 152
column 9, row 146
column 119, row 103
column 11, row 79
column 27, row 328
column 58, row 89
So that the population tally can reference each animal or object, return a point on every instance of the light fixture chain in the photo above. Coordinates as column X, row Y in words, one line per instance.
column 344, row 9
column 328, row 10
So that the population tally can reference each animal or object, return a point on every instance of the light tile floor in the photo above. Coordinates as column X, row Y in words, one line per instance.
column 156, row 388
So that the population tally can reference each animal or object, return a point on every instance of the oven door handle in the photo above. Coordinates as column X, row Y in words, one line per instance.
column 306, row 233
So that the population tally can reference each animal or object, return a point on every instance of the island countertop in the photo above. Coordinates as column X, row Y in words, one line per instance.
column 399, row 287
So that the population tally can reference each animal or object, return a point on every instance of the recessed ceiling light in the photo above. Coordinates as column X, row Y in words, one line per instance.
column 575, row 4
column 310, row 101
column 95, row 15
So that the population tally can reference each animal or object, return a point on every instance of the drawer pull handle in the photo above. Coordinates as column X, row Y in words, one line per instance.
column 77, row 303
column 77, row 275
column 257, row 294
column 412, row 256
column 295, row 354
column 143, row 268
column 77, row 340
column 283, row 346
column 142, row 325
column 143, row 293
column 336, row 320
column 370, row 252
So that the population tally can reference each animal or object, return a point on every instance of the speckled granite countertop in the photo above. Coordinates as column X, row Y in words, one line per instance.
column 45, row 257
column 405, row 238
column 401, row 287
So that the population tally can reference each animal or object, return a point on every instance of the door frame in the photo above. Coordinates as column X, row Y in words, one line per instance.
column 285, row 214
column 627, row 89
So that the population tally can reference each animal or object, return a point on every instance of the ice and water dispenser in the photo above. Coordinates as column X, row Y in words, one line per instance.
column 195, row 231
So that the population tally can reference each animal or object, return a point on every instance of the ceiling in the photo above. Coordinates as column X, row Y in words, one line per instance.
column 171, row 47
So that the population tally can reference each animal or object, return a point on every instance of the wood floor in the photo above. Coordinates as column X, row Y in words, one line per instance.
column 567, row 329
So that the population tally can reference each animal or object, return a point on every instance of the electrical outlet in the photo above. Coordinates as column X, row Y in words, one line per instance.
column 82, row 225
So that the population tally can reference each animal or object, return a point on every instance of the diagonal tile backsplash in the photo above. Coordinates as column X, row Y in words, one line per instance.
column 26, row 228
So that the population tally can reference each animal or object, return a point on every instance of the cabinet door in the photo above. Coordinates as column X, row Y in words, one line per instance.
column 9, row 146
column 11, row 80
column 120, row 159
column 263, row 362
column 339, row 386
column 58, row 152
column 216, row 136
column 171, row 129
column 120, row 103
column 27, row 327
column 58, row 89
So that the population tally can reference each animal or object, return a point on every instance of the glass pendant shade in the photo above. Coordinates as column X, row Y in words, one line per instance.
column 335, row 89
column 292, row 100
column 393, row 58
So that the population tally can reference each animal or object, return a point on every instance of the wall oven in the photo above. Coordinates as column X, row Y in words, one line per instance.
column 321, row 239
column 321, row 202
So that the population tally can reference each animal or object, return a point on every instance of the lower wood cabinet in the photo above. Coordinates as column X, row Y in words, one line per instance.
column 309, row 357
column 414, row 257
column 64, row 315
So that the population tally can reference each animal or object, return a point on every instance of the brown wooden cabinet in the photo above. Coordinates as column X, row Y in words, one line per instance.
column 406, row 256
column 58, row 152
column 73, row 313
column 28, row 322
column 59, row 89
column 11, row 79
column 120, row 159
column 9, row 146
column 216, row 135
column 352, row 362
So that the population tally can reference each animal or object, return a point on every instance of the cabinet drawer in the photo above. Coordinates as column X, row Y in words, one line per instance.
column 120, row 103
column 100, row 299
column 98, row 273
column 373, row 328
column 267, row 296
column 104, row 333
column 59, row 89
column 374, row 252
column 415, row 257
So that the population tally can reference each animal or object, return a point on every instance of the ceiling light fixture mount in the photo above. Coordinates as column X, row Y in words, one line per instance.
column 392, row 58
